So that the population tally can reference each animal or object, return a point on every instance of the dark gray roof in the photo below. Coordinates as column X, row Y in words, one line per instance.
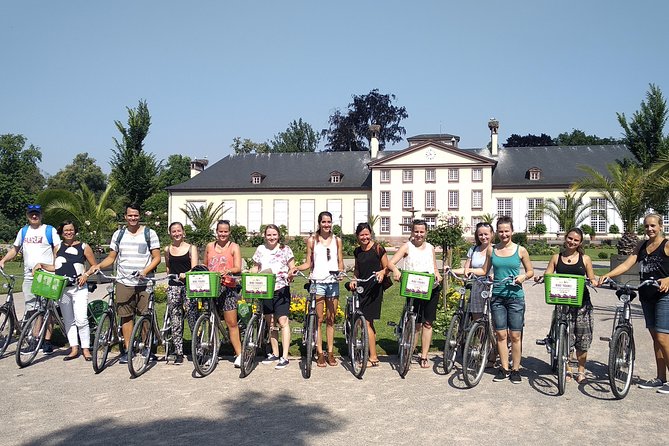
column 559, row 164
column 440, row 137
column 283, row 171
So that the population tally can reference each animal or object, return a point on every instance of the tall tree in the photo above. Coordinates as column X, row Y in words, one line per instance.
column 350, row 131
column 134, row 170
column 529, row 140
column 82, row 170
column 175, row 171
column 20, row 178
column 242, row 146
column 579, row 138
column 644, row 133
column 298, row 137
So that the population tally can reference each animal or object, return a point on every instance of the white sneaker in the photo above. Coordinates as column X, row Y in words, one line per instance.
column 270, row 359
column 238, row 361
column 282, row 364
column 664, row 389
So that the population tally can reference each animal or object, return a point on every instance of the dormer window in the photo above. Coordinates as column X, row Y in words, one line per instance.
column 335, row 177
column 534, row 174
column 257, row 177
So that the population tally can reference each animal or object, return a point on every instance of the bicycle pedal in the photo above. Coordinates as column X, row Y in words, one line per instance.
column 392, row 324
column 605, row 338
column 541, row 341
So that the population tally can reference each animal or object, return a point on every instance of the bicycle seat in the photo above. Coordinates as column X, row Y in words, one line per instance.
column 200, row 268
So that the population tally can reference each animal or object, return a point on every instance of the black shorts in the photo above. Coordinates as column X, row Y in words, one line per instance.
column 427, row 309
column 279, row 305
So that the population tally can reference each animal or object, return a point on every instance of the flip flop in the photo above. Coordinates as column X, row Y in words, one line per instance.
column 580, row 378
column 424, row 364
column 371, row 363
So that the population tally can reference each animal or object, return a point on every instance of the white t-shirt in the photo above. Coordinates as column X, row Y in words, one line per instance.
column 133, row 254
column 275, row 260
column 36, row 247
column 420, row 260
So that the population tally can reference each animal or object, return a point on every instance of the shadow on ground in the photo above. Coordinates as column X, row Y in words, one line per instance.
column 253, row 419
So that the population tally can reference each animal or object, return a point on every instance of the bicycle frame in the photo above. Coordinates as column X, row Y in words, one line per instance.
column 10, row 325
column 480, row 340
column 33, row 336
column 355, row 329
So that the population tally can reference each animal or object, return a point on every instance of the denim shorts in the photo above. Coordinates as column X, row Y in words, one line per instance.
column 656, row 313
column 508, row 313
column 328, row 290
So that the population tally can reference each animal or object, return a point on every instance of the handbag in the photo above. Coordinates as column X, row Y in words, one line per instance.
column 387, row 281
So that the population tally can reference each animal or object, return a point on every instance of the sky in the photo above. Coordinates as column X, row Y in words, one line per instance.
column 214, row 70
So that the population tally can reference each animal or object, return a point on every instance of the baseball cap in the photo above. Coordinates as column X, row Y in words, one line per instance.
column 34, row 208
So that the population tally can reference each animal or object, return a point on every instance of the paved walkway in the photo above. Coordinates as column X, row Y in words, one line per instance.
column 56, row 402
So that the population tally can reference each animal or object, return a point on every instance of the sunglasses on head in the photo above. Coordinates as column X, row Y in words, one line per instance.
column 34, row 207
column 483, row 225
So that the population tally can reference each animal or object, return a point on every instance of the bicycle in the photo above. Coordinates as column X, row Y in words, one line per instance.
column 310, row 325
column 10, row 324
column 457, row 328
column 355, row 328
column 206, row 342
column 621, row 342
column 480, row 339
column 34, row 331
column 558, row 341
column 256, row 335
column 146, row 334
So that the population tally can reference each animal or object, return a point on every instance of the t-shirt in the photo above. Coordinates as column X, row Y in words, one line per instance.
column 275, row 260
column 133, row 254
column 420, row 259
column 36, row 247
column 477, row 257
column 70, row 260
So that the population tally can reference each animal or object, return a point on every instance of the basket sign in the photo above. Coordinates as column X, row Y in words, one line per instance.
column 258, row 285
column 564, row 289
column 416, row 285
column 199, row 283
column 48, row 285
column 203, row 284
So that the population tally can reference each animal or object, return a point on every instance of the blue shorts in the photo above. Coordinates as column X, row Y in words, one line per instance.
column 508, row 313
column 328, row 290
column 656, row 313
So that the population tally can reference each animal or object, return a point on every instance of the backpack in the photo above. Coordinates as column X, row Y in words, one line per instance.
column 147, row 237
column 49, row 234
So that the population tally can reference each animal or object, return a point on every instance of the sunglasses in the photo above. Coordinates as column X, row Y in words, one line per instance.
column 34, row 207
column 483, row 225
column 327, row 253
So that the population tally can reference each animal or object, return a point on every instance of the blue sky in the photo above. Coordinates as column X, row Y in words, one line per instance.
column 213, row 70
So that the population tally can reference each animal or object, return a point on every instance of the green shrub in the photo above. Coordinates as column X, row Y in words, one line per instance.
column 349, row 243
column 336, row 230
column 160, row 293
column 238, row 234
column 587, row 229
column 519, row 238
column 614, row 229
column 538, row 229
column 540, row 248
column 603, row 255
column 299, row 247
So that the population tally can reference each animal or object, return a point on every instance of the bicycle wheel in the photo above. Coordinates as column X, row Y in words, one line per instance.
column 6, row 329
column 310, row 340
column 405, row 347
column 621, row 361
column 102, row 342
column 358, row 346
column 252, row 340
column 30, row 339
column 452, row 343
column 139, row 348
column 552, row 339
column 562, row 342
column 166, row 333
column 205, row 345
column 475, row 356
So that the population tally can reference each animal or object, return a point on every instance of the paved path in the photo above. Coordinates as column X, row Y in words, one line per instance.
column 56, row 402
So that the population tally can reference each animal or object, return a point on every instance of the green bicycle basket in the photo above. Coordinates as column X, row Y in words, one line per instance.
column 564, row 289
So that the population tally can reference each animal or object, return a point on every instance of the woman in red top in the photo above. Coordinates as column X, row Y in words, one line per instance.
column 225, row 257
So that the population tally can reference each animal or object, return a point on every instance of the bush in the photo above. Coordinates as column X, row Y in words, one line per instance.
column 519, row 238
column 349, row 243
column 540, row 248
column 336, row 230
column 587, row 229
column 238, row 234
column 298, row 308
column 613, row 229
column 160, row 293
column 538, row 229
column 299, row 247
column 603, row 255
column 444, row 314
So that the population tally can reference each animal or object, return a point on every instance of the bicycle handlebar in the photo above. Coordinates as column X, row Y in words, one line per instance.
column 627, row 286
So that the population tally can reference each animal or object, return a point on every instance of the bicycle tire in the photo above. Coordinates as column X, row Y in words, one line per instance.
column 167, row 335
column 405, row 347
column 553, row 336
column 250, row 345
column 358, row 346
column 102, row 342
column 452, row 342
column 621, row 361
column 139, row 347
column 310, row 341
column 475, row 356
column 29, row 344
column 562, row 358
column 204, row 345
column 6, row 329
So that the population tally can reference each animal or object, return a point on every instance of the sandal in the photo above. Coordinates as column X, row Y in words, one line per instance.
column 320, row 362
column 424, row 364
column 580, row 378
column 373, row 363
column 331, row 359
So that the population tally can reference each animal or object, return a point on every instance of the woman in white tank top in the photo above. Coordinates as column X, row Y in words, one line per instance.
column 419, row 257
column 324, row 254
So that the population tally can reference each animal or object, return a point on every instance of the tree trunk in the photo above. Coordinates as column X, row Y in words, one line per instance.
column 627, row 243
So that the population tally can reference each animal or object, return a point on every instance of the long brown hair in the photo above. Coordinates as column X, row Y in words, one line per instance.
column 579, row 248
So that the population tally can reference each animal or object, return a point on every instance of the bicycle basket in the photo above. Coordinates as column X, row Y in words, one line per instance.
column 258, row 285
column 96, row 308
column 564, row 289
column 203, row 284
column 416, row 285
column 48, row 285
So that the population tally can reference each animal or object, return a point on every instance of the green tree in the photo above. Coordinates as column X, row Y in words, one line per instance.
column 203, row 219
column 529, row 140
column 569, row 211
column 644, row 133
column 175, row 171
column 20, row 178
column 242, row 146
column 579, row 138
column 134, row 170
column 298, row 137
column 82, row 170
column 94, row 216
column 350, row 131
column 626, row 189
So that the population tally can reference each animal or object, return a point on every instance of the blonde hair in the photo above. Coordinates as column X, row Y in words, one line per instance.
column 657, row 217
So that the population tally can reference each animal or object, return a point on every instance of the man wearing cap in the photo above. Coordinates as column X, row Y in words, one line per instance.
column 37, row 242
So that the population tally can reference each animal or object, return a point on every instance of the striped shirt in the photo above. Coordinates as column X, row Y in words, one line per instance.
column 133, row 254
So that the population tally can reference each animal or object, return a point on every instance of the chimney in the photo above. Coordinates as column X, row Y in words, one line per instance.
column 493, row 125
column 374, row 130
column 197, row 166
